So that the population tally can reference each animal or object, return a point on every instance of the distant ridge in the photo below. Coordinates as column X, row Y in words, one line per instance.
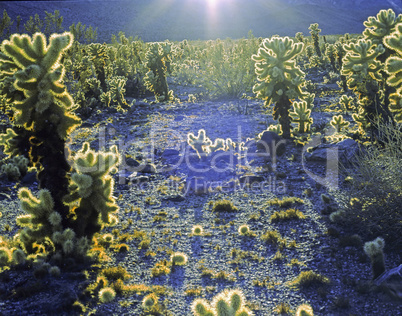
column 157, row 20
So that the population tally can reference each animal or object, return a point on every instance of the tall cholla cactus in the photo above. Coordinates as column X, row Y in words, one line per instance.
column 226, row 303
column 393, row 66
column 91, row 189
column 363, row 72
column 43, row 116
column 315, row 32
column 158, row 64
column 301, row 116
column 377, row 28
column 280, row 79
column 43, row 119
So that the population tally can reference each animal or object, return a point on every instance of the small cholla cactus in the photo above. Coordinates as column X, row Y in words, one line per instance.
column 106, row 295
column 339, row 123
column 301, row 116
column 228, row 302
column 197, row 230
column 374, row 249
column 178, row 259
column 199, row 143
column 244, row 230
column 346, row 102
column 149, row 301
column 304, row 310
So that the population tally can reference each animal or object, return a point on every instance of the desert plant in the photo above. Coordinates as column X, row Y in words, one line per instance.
column 228, row 302
column 42, row 122
column 374, row 249
column 371, row 206
column 304, row 310
column 280, row 79
column 197, row 230
column 106, row 295
column 339, row 123
column 301, row 116
column 315, row 32
column 178, row 259
column 199, row 143
column 244, row 230
column 346, row 102
column 5, row 24
column 363, row 72
column 393, row 66
column 158, row 59
column 331, row 54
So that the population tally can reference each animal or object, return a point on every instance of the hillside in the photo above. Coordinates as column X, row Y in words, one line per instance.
column 157, row 20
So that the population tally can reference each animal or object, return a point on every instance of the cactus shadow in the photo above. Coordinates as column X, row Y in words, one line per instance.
column 176, row 277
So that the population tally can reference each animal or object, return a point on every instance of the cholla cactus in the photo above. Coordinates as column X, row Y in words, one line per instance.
column 158, row 59
column 301, row 116
column 228, row 302
column 346, row 102
column 393, row 66
column 280, row 79
column 339, row 123
column 199, row 143
column 363, row 72
column 91, row 189
column 377, row 28
column 374, row 249
column 315, row 32
column 115, row 93
column 331, row 54
column 304, row 310
column 309, row 98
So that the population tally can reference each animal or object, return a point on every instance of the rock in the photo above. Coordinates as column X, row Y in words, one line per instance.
column 132, row 162
column 175, row 198
column 391, row 281
column 148, row 168
column 251, row 179
column 271, row 143
column 29, row 178
column 168, row 152
column 346, row 151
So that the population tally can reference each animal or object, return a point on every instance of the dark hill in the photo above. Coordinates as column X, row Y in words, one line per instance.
column 155, row 20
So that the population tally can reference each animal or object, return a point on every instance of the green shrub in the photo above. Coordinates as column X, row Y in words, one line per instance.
column 371, row 205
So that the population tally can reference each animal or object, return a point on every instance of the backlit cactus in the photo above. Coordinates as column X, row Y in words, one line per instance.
column 364, row 72
column 381, row 26
column 301, row 116
column 158, row 59
column 280, row 80
column 339, row 123
column 393, row 66
column 374, row 249
column 346, row 102
column 226, row 303
column 315, row 32
column 91, row 189
column 199, row 143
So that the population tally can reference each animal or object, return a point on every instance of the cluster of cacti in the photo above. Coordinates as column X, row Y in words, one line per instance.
column 281, row 80
column 228, row 302
column 71, row 207
column 374, row 249
column 16, row 167
column 115, row 93
column 203, row 145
